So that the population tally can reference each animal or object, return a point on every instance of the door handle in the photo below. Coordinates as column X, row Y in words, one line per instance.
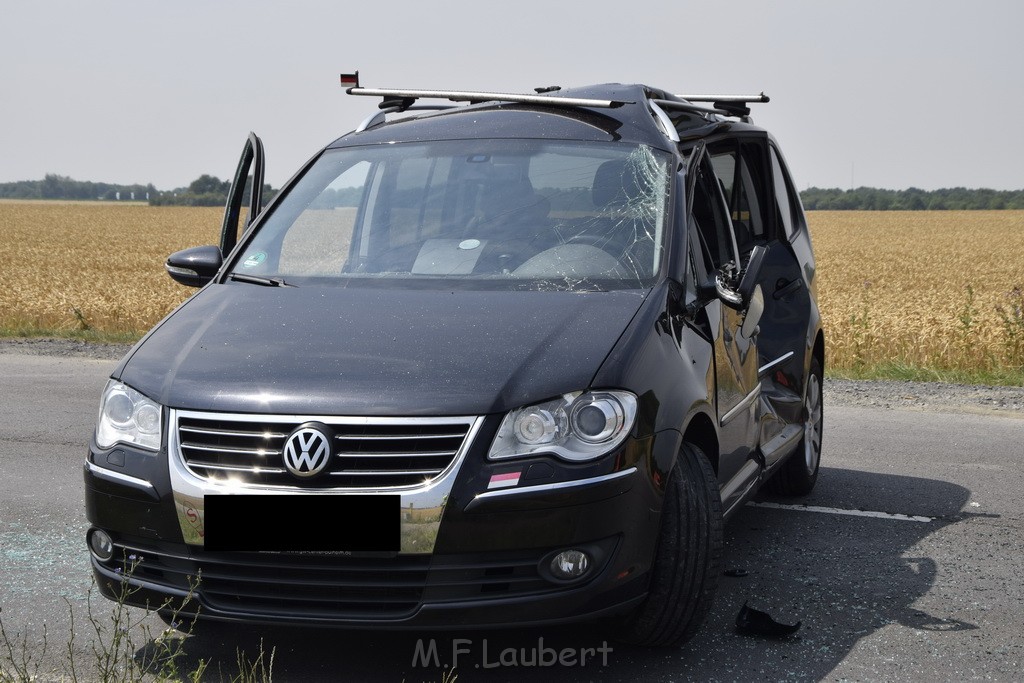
column 784, row 288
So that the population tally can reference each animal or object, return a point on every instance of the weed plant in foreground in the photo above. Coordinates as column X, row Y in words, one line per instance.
column 122, row 647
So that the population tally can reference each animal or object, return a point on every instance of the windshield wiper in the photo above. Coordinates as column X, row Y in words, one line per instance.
column 257, row 280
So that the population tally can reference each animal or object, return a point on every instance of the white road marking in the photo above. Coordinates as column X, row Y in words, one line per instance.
column 838, row 511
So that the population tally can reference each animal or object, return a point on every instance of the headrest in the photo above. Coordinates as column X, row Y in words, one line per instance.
column 501, row 197
column 615, row 184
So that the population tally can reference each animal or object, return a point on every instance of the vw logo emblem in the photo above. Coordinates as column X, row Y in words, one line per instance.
column 307, row 452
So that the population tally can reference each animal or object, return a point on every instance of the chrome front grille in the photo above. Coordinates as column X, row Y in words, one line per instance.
column 369, row 453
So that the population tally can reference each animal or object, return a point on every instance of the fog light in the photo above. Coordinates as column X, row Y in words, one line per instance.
column 101, row 544
column 570, row 564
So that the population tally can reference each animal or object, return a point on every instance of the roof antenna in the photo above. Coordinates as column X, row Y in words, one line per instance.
column 547, row 88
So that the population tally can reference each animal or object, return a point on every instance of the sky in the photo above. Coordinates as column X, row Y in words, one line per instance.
column 894, row 94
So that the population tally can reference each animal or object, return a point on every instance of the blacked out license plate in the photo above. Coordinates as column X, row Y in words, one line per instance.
column 302, row 523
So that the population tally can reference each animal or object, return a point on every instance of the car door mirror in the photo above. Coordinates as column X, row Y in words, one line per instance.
column 737, row 296
column 729, row 296
column 717, row 286
column 194, row 267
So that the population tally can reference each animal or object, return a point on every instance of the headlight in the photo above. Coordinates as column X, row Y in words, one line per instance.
column 577, row 426
column 127, row 416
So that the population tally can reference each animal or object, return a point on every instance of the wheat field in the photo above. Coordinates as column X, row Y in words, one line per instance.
column 927, row 289
column 91, row 265
column 936, row 289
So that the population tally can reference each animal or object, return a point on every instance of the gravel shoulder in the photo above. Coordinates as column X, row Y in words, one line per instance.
column 70, row 348
column 929, row 396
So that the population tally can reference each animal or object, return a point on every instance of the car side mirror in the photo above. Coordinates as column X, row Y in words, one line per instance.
column 194, row 267
column 738, row 297
column 729, row 296
column 715, row 287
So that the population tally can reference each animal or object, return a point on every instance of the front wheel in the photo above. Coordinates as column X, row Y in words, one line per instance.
column 684, row 576
column 797, row 476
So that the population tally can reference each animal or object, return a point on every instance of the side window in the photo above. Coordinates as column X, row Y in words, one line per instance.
column 787, row 203
column 724, row 164
column 753, row 189
column 712, row 222
column 737, row 175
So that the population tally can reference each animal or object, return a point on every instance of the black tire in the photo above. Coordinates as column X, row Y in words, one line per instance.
column 684, row 576
column 797, row 476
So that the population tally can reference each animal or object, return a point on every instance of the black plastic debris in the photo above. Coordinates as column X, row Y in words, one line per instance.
column 752, row 622
column 735, row 573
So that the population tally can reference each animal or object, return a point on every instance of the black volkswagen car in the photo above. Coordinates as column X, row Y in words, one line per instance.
column 510, row 359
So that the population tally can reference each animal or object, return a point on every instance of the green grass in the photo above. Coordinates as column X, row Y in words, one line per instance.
column 893, row 371
column 90, row 335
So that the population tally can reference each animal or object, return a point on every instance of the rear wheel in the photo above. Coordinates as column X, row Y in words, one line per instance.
column 797, row 476
column 684, row 576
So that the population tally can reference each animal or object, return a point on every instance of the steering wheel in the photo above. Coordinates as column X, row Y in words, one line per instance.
column 600, row 241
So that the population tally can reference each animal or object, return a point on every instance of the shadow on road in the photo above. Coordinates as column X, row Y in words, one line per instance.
column 843, row 577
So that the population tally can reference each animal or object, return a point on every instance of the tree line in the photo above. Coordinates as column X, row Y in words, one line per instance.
column 912, row 199
column 207, row 190
column 54, row 186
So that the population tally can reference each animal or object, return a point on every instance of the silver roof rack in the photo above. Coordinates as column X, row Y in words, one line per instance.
column 760, row 97
column 474, row 96
column 727, row 105
column 686, row 106
column 404, row 98
column 396, row 100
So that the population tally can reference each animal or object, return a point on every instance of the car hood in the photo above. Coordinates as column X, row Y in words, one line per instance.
column 367, row 351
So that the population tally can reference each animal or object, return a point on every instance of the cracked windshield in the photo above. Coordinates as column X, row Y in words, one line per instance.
column 487, row 213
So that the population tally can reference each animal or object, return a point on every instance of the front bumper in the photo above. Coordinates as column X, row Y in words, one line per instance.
column 488, row 566
column 390, row 593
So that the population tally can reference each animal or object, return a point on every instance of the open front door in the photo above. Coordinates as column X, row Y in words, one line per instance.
column 248, row 176
column 766, row 213
column 735, row 344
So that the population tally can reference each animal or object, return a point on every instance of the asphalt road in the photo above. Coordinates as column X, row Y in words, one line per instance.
column 930, row 591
